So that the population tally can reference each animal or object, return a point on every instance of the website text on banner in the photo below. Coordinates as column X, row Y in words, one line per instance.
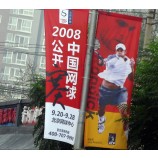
column 66, row 45
column 111, row 80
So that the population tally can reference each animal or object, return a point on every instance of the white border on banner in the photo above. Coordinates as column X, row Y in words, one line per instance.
column 78, row 4
column 52, row 129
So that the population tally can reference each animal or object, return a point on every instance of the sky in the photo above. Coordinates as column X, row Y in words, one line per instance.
column 78, row 4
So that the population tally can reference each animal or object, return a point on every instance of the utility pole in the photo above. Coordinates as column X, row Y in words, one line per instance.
column 80, row 128
column 149, row 27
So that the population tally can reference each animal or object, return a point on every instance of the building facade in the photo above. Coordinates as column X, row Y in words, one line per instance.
column 22, row 50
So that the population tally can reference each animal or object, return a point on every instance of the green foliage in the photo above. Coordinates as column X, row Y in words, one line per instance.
column 144, row 110
column 37, row 96
column 37, row 91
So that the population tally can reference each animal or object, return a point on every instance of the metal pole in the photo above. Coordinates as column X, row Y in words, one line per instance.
column 80, row 128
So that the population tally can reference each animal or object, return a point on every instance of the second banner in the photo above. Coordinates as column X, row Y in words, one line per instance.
column 111, row 80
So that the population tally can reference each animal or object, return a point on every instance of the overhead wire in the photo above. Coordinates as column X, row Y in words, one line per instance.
column 23, row 49
column 3, row 46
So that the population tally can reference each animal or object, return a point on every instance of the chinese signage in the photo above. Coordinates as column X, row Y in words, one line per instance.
column 66, row 44
column 111, row 80
column 30, row 114
column 7, row 116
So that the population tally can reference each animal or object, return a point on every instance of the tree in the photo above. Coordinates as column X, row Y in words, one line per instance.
column 37, row 96
column 144, row 110
column 17, row 87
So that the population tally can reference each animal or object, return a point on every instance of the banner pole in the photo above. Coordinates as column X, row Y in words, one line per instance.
column 91, row 38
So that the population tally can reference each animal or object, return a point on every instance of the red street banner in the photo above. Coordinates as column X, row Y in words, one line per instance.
column 66, row 45
column 111, row 80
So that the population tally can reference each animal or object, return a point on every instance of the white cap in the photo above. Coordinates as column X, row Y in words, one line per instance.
column 120, row 45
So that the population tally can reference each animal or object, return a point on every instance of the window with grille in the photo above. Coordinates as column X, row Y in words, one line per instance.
column 25, row 12
column 15, row 40
column 21, row 41
column 6, row 73
column 28, row 12
column 24, row 25
column 10, row 40
column 7, row 57
column 18, row 24
column 12, row 25
column 15, row 73
column 21, row 59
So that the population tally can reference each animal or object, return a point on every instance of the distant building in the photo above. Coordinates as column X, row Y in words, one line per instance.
column 21, row 49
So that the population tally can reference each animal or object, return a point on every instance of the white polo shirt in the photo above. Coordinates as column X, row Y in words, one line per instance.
column 117, row 70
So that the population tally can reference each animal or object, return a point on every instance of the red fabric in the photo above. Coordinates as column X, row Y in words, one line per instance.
column 14, row 115
column 79, row 22
column 112, row 29
column 9, row 115
column 1, row 116
column 5, row 116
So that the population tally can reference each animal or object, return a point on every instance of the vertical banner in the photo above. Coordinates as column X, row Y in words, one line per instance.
column 66, row 45
column 111, row 81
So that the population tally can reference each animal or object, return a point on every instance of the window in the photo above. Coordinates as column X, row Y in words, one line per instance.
column 18, row 24
column 26, row 12
column 6, row 73
column 21, row 41
column 24, row 25
column 15, row 73
column 21, row 59
column 5, row 88
column 10, row 39
column 15, row 11
column 12, row 23
column 42, row 62
column 7, row 58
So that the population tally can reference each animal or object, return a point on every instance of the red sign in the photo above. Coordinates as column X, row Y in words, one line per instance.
column 65, row 52
column 66, row 45
column 7, row 116
column 111, row 80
